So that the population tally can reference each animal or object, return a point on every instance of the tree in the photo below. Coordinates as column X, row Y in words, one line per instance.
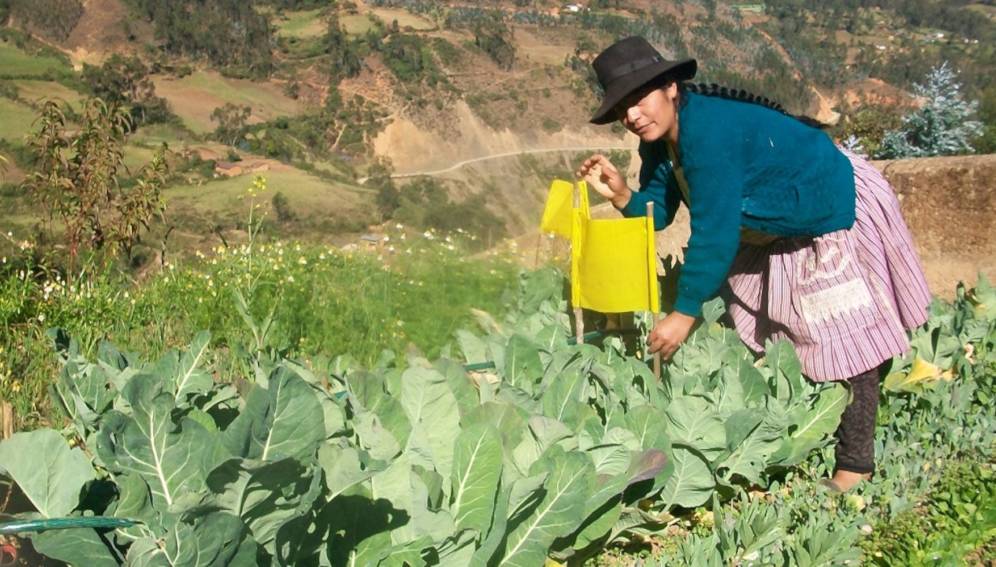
column 494, row 37
column 231, row 119
column 77, row 178
column 343, row 57
column 943, row 126
column 281, row 206
column 125, row 81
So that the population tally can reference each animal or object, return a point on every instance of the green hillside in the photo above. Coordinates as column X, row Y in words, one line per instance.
column 426, row 83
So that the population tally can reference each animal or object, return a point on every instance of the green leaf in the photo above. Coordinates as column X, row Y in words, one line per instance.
column 213, row 540
column 781, row 360
column 474, row 349
column 432, row 411
column 693, row 421
column 360, row 529
column 497, row 531
column 692, row 482
column 80, row 546
column 134, row 503
column 563, row 401
column 84, row 392
column 343, row 468
column 264, row 495
column 650, row 430
column 508, row 420
column 812, row 425
column 190, row 378
column 462, row 386
column 48, row 472
column 285, row 420
column 544, row 432
column 612, row 456
column 373, row 437
column 749, row 455
column 558, row 513
column 477, row 468
column 171, row 459
column 523, row 366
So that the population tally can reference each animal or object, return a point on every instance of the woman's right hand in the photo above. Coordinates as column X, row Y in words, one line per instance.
column 613, row 185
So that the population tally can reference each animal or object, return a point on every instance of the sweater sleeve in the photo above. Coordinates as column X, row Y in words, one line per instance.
column 714, row 172
column 657, row 186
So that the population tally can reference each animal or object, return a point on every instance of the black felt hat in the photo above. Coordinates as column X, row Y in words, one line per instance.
column 628, row 65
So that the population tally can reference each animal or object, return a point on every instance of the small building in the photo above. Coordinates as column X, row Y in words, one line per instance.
column 237, row 168
column 372, row 240
column 227, row 168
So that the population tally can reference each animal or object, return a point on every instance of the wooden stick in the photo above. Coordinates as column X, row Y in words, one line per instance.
column 578, row 314
column 652, row 273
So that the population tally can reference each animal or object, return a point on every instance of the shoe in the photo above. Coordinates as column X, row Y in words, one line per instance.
column 829, row 485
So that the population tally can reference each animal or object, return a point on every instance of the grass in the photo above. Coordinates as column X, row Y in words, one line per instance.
column 17, row 63
column 16, row 120
column 302, row 25
column 35, row 91
column 310, row 196
column 195, row 97
column 156, row 134
column 135, row 157
column 405, row 19
column 958, row 518
column 324, row 302
column 356, row 24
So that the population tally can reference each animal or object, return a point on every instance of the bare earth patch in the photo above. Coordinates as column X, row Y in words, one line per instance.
column 195, row 97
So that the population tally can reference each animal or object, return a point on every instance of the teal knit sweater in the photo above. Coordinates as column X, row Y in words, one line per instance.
column 746, row 166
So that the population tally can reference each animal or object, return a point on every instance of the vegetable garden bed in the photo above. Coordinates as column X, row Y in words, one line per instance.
column 559, row 451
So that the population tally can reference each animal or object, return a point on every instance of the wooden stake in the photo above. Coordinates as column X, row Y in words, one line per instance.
column 578, row 314
column 652, row 273
column 6, row 420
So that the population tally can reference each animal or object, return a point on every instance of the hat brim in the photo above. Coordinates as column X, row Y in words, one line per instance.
column 621, row 88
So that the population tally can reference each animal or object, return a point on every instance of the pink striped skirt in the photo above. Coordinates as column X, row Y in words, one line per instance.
column 844, row 299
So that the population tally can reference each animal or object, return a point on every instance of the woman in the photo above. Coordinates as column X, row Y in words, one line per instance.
column 804, row 240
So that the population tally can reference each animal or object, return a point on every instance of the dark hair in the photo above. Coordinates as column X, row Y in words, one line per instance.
column 712, row 89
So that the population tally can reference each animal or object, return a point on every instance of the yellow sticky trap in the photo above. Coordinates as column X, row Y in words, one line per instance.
column 616, row 272
column 559, row 204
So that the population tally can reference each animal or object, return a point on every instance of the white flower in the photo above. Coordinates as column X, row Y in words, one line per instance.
column 41, row 317
column 428, row 235
column 303, row 261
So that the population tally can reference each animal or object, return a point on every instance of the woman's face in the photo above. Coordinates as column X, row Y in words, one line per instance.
column 650, row 112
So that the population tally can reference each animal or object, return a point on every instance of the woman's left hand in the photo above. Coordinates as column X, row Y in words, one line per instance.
column 669, row 333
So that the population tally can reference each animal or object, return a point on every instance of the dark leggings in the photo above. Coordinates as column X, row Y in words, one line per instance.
column 856, row 435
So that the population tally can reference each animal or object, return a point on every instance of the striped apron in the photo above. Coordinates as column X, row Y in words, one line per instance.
column 844, row 299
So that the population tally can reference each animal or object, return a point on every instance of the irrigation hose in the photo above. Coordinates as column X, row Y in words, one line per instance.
column 99, row 522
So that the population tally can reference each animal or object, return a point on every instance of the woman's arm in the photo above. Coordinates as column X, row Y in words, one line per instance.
column 657, row 186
